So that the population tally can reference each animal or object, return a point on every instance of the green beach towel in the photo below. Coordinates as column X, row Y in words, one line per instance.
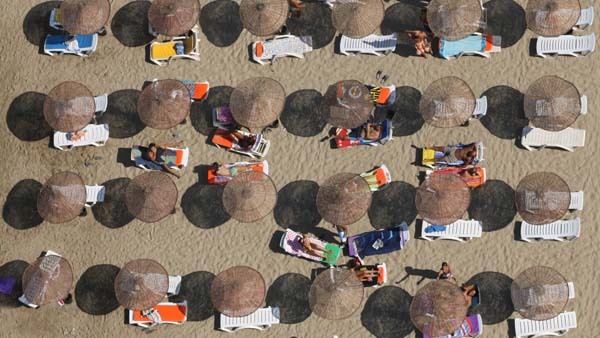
column 332, row 253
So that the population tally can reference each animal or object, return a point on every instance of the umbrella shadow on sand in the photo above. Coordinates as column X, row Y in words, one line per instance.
column 495, row 298
column 20, row 209
column 314, row 21
column 493, row 204
column 36, row 23
column 121, row 114
column 201, row 111
column 386, row 313
column 95, row 290
column 505, row 117
column 113, row 212
column 289, row 292
column 302, row 114
column 505, row 18
column 130, row 24
column 25, row 117
column 195, row 289
column 404, row 112
column 221, row 23
column 10, row 270
column 393, row 205
column 202, row 205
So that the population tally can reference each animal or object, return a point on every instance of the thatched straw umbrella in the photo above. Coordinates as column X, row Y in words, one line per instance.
column 173, row 17
column 163, row 104
column 540, row 293
column 357, row 19
column 542, row 197
column 438, row 308
column 447, row 102
column 335, row 294
column 443, row 199
column 552, row 17
column 238, row 291
column 263, row 17
column 141, row 284
column 348, row 103
column 552, row 103
column 84, row 16
column 343, row 199
column 454, row 19
column 257, row 102
column 151, row 196
column 249, row 196
column 62, row 198
column 47, row 280
column 69, row 107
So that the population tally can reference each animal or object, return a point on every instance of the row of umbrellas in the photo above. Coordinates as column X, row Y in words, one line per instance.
column 550, row 103
column 437, row 309
column 450, row 19
column 342, row 199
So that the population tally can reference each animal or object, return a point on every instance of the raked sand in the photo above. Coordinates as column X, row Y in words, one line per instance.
column 184, row 248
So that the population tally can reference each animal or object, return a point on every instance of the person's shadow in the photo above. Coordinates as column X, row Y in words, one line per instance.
column 423, row 273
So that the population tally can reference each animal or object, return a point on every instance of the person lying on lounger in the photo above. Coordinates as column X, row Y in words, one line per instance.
column 422, row 43
column 221, row 169
column 458, row 155
column 158, row 153
column 469, row 291
column 245, row 142
column 362, row 273
column 312, row 248
column 368, row 131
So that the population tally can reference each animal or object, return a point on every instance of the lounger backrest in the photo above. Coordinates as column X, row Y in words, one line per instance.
column 95, row 193
column 189, row 44
column 576, row 201
column 480, row 107
column 586, row 17
column 101, row 102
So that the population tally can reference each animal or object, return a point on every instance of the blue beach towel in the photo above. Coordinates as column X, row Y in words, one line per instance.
column 468, row 44
column 60, row 41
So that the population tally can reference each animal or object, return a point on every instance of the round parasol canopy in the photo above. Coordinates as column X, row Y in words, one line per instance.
column 257, row 102
column 173, row 17
column 151, row 196
column 335, row 294
column 542, row 197
column 263, row 17
column 447, row 102
column 238, row 291
column 349, row 104
column 47, row 280
column 62, row 198
column 454, row 19
column 249, row 196
column 552, row 17
column 357, row 19
column 69, row 107
column 343, row 199
column 84, row 16
column 552, row 103
column 141, row 284
column 438, row 308
column 443, row 199
column 539, row 293
column 163, row 104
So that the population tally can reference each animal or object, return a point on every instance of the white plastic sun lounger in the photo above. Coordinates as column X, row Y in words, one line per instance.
column 576, row 201
column 586, row 18
column 480, row 107
column 461, row 230
column 371, row 44
column 562, row 230
column 101, row 102
column 260, row 319
column 566, row 45
column 174, row 285
column 567, row 139
column 557, row 326
column 23, row 299
column 279, row 46
column 94, row 194
column 95, row 135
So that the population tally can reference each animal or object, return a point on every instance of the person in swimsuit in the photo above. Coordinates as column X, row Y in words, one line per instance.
column 220, row 169
column 159, row 154
column 445, row 273
column 368, row 131
column 311, row 248
column 245, row 142
column 422, row 43
column 362, row 273
column 469, row 291
column 456, row 155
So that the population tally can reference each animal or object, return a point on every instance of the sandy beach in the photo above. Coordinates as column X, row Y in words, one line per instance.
column 198, row 241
